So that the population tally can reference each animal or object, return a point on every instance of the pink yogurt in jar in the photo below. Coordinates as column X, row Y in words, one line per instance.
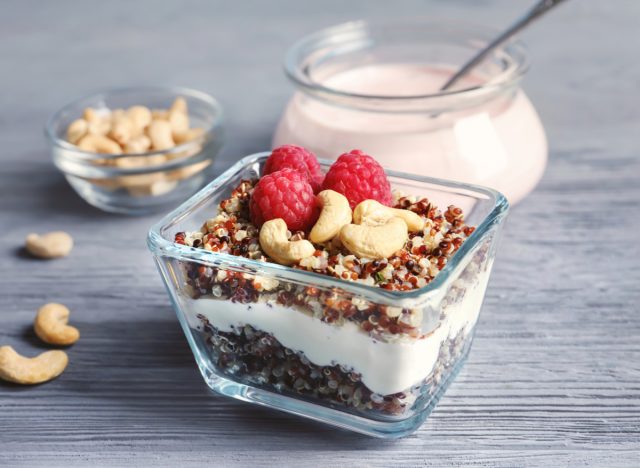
column 375, row 88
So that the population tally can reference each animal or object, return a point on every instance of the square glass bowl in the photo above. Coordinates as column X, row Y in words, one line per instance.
column 256, row 332
column 139, row 183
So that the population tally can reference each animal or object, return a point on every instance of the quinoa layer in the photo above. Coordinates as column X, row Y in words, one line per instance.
column 257, row 358
column 413, row 267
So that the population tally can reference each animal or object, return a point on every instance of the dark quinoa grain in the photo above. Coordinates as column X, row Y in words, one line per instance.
column 257, row 358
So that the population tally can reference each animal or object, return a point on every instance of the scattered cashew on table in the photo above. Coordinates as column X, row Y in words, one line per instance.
column 51, row 245
column 51, row 327
column 50, row 324
column 30, row 371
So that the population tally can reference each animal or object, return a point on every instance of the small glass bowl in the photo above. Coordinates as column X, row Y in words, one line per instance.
column 256, row 331
column 153, row 180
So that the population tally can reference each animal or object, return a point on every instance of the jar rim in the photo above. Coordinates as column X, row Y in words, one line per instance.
column 347, row 37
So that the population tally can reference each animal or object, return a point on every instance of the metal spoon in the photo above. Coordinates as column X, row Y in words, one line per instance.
column 536, row 12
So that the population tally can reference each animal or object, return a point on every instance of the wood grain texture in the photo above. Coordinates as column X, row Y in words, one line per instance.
column 553, row 378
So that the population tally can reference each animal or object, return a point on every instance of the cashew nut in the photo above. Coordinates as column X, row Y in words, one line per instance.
column 373, row 213
column 188, row 171
column 98, row 124
column 335, row 213
column 122, row 128
column 159, row 114
column 141, row 183
column 179, row 106
column 28, row 371
column 179, row 124
column 274, row 242
column 134, row 162
column 90, row 115
column 179, row 118
column 376, row 242
column 121, row 132
column 99, row 144
column 117, row 114
column 51, row 325
column 160, row 134
column 139, row 144
column 189, row 135
column 76, row 130
column 52, row 245
column 140, row 117
column 154, row 189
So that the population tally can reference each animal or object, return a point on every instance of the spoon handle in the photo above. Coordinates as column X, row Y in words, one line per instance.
column 534, row 13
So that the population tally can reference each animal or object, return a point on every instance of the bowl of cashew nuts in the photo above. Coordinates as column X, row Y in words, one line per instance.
column 137, row 150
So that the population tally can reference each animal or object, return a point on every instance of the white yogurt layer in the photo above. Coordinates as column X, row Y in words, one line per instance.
column 385, row 368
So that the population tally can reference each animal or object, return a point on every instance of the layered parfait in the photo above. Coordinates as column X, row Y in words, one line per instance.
column 322, row 343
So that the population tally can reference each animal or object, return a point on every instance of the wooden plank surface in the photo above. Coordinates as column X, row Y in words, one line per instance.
column 553, row 378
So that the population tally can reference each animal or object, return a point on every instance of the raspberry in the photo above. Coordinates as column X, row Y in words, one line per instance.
column 284, row 194
column 298, row 159
column 358, row 177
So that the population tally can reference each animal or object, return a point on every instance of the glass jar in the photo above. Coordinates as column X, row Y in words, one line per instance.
column 375, row 87
column 291, row 339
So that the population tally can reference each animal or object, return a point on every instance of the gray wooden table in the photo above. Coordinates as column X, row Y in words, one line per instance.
column 554, row 376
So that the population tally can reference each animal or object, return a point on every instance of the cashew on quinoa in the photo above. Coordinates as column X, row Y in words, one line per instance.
column 376, row 242
column 335, row 213
column 52, row 245
column 29, row 371
column 274, row 242
column 373, row 213
column 51, row 325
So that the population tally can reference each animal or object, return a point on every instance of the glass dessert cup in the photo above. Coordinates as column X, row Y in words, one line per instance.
column 268, row 345
column 374, row 86
column 149, row 181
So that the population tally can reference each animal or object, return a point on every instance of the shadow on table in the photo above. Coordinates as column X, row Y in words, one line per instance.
column 51, row 193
